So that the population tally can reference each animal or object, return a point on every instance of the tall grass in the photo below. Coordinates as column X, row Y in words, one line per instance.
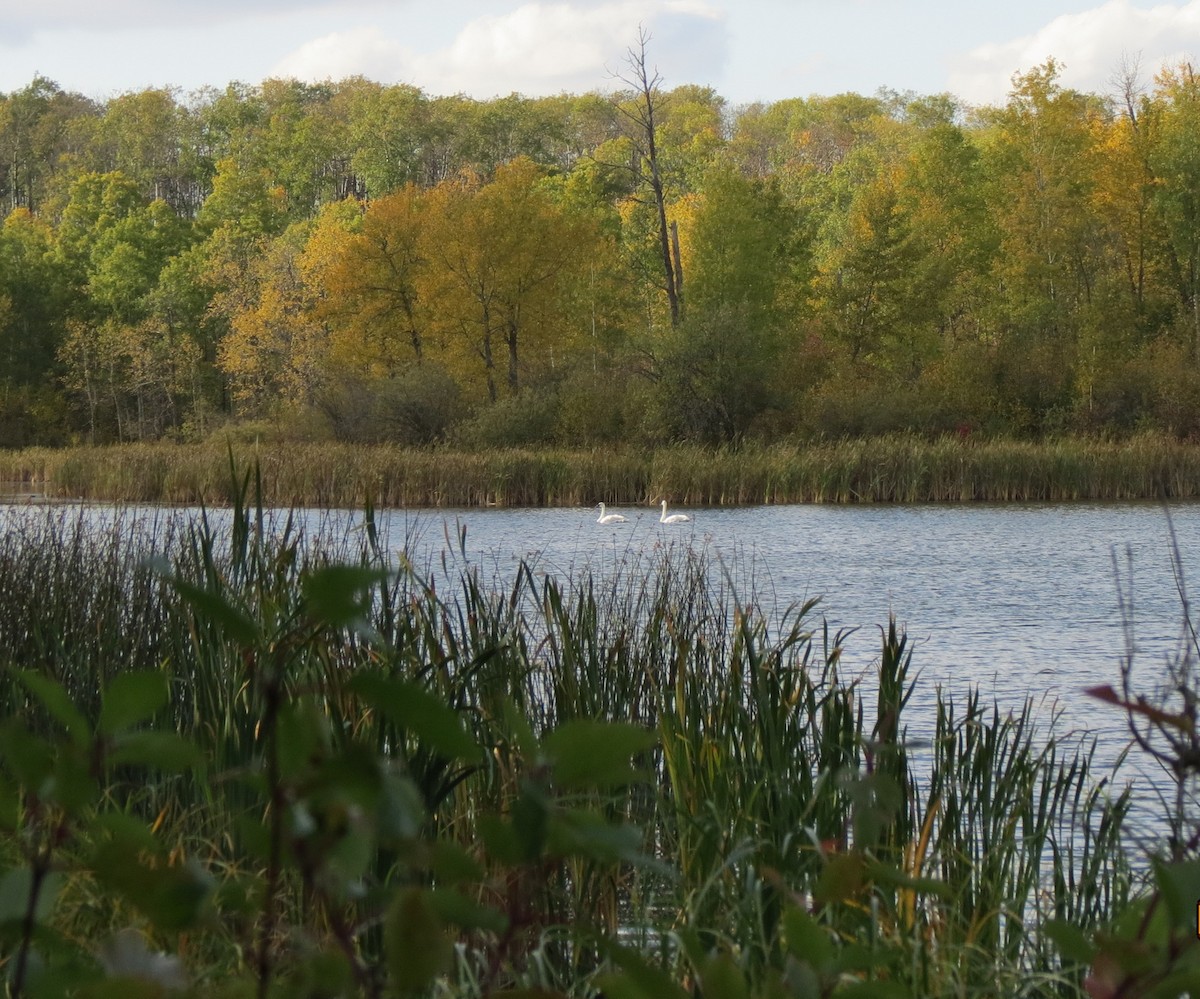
column 774, row 777
column 879, row 470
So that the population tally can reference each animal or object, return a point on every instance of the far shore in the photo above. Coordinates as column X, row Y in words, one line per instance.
column 898, row 469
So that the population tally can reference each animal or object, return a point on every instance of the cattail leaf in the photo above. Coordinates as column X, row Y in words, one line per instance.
column 131, row 698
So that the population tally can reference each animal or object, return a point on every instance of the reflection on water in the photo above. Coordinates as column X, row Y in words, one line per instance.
column 1020, row 600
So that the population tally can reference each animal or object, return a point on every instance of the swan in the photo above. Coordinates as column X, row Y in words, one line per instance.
column 675, row 518
column 609, row 518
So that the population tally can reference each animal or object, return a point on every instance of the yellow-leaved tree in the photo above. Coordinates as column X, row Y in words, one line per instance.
column 504, row 258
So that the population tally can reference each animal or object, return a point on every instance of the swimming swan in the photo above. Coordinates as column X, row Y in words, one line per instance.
column 609, row 518
column 675, row 518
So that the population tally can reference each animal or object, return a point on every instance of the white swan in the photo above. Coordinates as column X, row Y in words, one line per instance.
column 675, row 518
column 609, row 518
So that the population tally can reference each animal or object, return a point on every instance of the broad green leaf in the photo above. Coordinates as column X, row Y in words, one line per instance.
column 451, row 864
column 841, row 879
column 416, row 710
column 584, row 834
column 807, row 940
column 167, row 752
column 587, row 753
column 302, row 738
column 417, row 946
column 874, row 990
column 171, row 896
column 639, row 979
column 339, row 595
column 530, row 823
column 16, row 890
column 127, row 958
column 28, row 757
column 499, row 839
column 1179, row 884
column 721, row 978
column 54, row 698
column 1071, row 941
column 217, row 609
column 401, row 811
column 453, row 907
column 131, row 698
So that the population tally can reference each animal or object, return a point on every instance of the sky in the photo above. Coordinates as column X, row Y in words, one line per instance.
column 747, row 50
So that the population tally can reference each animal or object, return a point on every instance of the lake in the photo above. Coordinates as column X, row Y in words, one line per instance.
column 1020, row 600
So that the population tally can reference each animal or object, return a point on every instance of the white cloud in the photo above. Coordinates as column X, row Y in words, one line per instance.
column 538, row 48
column 1089, row 46
column 110, row 15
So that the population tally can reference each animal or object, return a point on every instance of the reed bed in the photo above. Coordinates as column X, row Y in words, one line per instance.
column 877, row 470
column 772, row 774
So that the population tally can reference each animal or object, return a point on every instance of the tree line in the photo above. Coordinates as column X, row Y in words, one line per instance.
column 371, row 263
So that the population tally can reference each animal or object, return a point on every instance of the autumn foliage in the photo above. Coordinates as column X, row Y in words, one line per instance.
column 372, row 263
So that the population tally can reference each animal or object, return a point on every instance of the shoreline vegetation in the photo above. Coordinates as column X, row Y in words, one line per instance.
column 890, row 469
column 252, row 764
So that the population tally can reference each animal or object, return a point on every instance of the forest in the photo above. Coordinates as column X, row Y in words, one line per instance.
column 366, row 263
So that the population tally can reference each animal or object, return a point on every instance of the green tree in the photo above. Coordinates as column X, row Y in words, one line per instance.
column 1175, row 160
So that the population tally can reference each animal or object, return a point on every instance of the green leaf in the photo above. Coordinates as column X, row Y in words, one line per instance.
column 131, row 698
column 466, row 913
column 413, row 708
column 451, row 864
column 499, row 839
column 54, row 698
column 417, row 947
column 587, row 753
column 1179, row 884
column 303, row 737
column 1071, row 941
column 401, row 811
column 167, row 752
column 339, row 595
column 807, row 940
column 841, row 879
column 874, row 990
column 721, row 978
column 530, row 823
column 16, row 889
column 171, row 896
column 28, row 757
column 585, row 834
column 213, row 606
column 640, row 979
column 127, row 957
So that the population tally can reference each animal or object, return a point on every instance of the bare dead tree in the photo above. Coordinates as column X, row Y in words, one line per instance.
column 1126, row 80
column 643, row 113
